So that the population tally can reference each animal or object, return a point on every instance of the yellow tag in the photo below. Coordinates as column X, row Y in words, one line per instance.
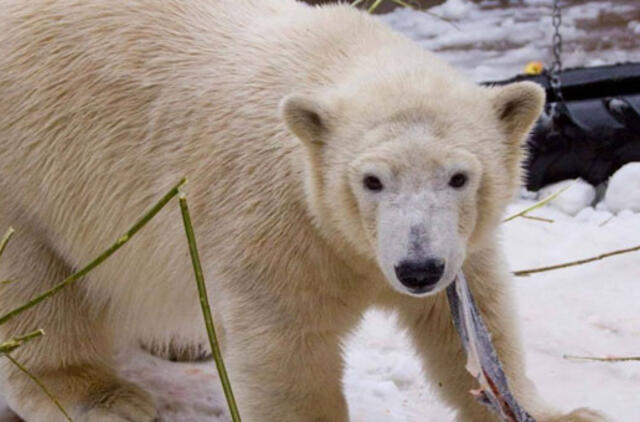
column 533, row 68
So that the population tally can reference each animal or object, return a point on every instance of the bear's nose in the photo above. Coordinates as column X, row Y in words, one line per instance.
column 420, row 276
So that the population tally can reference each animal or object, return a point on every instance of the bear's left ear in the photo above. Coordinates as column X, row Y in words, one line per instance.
column 306, row 118
column 517, row 107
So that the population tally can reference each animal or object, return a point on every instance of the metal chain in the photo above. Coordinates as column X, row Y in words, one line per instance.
column 556, row 66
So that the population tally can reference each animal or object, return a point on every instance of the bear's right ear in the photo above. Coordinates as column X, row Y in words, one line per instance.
column 305, row 118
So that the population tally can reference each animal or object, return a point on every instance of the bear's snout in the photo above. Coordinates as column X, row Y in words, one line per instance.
column 420, row 276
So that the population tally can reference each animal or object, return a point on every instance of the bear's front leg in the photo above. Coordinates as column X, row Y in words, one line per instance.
column 285, row 365
column 73, row 360
column 429, row 323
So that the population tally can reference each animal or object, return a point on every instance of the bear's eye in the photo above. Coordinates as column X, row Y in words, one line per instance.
column 458, row 180
column 372, row 183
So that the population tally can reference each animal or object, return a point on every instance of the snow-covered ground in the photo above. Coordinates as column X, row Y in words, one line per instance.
column 588, row 310
column 489, row 41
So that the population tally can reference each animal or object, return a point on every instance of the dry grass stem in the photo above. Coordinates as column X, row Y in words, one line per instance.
column 206, row 310
column 374, row 6
column 604, row 359
column 525, row 273
column 536, row 205
column 405, row 4
column 604, row 223
column 544, row 220
column 5, row 239
column 11, row 345
column 41, row 385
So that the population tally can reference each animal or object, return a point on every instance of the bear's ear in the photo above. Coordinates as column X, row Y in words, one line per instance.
column 518, row 106
column 305, row 118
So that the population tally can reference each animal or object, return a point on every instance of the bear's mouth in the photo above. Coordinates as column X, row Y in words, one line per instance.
column 420, row 290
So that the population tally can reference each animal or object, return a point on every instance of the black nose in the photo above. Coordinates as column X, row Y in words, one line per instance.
column 420, row 276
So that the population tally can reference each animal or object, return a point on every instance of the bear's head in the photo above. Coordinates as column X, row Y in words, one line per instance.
column 413, row 177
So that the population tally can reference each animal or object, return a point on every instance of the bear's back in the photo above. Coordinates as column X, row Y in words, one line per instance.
column 105, row 104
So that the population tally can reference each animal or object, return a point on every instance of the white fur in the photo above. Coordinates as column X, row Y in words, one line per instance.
column 106, row 104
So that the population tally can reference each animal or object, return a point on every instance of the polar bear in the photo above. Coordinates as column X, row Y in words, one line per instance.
column 334, row 166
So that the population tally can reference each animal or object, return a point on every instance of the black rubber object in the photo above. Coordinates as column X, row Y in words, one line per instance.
column 590, row 135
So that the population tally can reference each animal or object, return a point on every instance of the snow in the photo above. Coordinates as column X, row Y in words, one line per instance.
column 589, row 310
column 623, row 192
column 454, row 9
column 489, row 42
column 578, row 195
